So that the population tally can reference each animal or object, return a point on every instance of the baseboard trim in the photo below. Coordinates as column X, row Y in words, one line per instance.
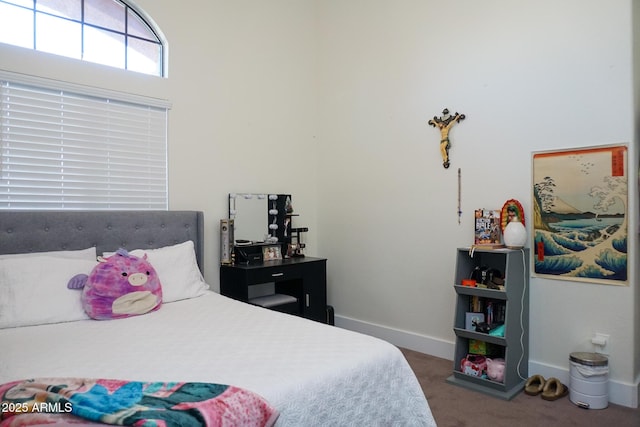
column 619, row 393
column 410, row 340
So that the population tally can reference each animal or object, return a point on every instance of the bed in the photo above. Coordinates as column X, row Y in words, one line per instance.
column 310, row 373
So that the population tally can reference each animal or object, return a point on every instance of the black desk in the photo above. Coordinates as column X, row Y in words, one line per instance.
column 303, row 278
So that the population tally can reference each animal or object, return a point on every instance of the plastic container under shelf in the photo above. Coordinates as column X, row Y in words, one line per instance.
column 589, row 380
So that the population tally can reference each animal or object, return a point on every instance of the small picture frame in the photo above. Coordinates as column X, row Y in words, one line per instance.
column 472, row 320
column 271, row 252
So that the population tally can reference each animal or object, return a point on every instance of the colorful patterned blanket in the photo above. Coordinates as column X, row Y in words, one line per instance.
column 64, row 401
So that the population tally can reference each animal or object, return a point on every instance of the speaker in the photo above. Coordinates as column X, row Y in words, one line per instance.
column 226, row 241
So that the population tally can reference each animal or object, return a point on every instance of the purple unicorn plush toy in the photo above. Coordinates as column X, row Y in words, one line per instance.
column 121, row 285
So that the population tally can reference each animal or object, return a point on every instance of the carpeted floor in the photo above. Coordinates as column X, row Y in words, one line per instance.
column 454, row 406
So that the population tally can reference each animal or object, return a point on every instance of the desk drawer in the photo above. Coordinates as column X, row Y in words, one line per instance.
column 274, row 274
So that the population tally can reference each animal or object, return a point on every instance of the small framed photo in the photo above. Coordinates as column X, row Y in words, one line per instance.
column 472, row 320
column 271, row 252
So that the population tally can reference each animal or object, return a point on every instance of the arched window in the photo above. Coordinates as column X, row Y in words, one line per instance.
column 109, row 32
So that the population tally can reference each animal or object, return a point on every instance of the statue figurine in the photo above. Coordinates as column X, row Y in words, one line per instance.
column 445, row 123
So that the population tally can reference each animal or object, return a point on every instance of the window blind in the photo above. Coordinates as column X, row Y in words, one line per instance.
column 63, row 149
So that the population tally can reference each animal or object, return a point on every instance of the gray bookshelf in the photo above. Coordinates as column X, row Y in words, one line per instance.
column 514, row 297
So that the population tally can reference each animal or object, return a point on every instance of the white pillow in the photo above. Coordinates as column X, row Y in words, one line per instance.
column 88, row 254
column 33, row 290
column 177, row 269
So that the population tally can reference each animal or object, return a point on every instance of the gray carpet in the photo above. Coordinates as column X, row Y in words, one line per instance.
column 454, row 406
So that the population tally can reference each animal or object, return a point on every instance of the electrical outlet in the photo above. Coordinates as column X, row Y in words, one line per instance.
column 601, row 342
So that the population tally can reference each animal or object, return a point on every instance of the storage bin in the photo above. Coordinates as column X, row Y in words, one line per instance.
column 589, row 380
column 484, row 348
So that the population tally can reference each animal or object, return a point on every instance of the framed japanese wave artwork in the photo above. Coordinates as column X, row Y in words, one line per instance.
column 580, row 214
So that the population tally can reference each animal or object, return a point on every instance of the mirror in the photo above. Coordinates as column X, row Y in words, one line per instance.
column 250, row 214
column 261, row 218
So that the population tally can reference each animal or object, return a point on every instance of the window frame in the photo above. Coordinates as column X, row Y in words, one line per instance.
column 159, row 40
column 86, row 91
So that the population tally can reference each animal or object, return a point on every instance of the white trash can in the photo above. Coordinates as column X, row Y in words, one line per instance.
column 589, row 380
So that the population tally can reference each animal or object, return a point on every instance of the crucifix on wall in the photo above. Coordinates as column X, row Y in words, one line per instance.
column 445, row 123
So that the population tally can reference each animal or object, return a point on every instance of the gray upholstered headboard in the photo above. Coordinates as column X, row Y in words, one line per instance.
column 38, row 231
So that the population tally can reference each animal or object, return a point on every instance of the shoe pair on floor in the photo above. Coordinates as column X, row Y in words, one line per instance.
column 551, row 389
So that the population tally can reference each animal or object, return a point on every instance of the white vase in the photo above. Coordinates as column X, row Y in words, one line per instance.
column 514, row 235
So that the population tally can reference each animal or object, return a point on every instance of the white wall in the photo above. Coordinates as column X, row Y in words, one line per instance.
column 242, row 82
column 242, row 85
column 529, row 76
column 329, row 100
column 635, row 325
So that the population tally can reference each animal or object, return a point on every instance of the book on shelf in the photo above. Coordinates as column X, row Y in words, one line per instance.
column 495, row 312
column 487, row 228
column 492, row 311
column 476, row 304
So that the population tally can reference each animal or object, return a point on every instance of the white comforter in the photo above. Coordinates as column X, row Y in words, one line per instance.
column 315, row 374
